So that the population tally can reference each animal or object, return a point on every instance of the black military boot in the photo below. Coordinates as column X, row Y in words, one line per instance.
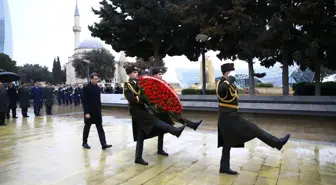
column 138, row 153
column 225, row 162
column 169, row 128
column 86, row 146
column 160, row 146
column 193, row 125
column 273, row 141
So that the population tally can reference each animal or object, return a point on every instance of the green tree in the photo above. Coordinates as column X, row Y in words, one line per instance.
column 34, row 72
column 101, row 62
column 144, row 29
column 57, row 71
column 143, row 65
column 318, row 23
column 7, row 64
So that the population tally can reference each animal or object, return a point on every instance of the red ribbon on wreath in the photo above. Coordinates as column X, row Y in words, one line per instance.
column 160, row 96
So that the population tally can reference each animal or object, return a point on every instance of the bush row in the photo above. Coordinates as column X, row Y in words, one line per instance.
column 208, row 91
column 308, row 89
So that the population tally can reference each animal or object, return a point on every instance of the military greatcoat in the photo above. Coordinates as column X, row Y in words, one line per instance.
column 142, row 120
column 233, row 130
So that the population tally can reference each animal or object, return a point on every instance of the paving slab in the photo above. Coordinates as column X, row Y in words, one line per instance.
column 47, row 150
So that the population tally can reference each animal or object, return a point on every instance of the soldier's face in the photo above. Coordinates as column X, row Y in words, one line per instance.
column 134, row 75
column 159, row 75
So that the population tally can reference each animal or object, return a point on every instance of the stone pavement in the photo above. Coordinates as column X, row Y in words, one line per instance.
column 47, row 150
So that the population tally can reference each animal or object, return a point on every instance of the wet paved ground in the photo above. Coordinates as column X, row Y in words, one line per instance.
column 47, row 150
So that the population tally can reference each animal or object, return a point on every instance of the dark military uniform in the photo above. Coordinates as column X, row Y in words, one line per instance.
column 4, row 101
column 145, row 125
column 233, row 130
column 165, row 117
column 49, row 99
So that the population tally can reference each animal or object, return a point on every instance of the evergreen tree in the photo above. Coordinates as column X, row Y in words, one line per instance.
column 57, row 71
column 101, row 62
column 7, row 64
column 144, row 29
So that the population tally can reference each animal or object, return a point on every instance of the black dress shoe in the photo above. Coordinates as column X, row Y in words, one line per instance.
column 15, row 117
column 86, row 146
column 283, row 141
column 197, row 124
column 141, row 161
column 162, row 152
column 106, row 146
column 228, row 171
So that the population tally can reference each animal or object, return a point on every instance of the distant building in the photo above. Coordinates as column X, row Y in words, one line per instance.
column 6, row 44
column 190, row 77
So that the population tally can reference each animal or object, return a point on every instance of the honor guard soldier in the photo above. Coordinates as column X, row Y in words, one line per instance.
column 24, row 97
column 233, row 130
column 145, row 125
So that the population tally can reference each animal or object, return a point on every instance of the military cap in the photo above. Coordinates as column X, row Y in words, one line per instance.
column 156, row 71
column 227, row 67
column 131, row 69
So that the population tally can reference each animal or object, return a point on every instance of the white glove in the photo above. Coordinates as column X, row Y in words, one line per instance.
column 232, row 73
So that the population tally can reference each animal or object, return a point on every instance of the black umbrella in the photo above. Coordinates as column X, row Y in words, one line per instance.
column 8, row 77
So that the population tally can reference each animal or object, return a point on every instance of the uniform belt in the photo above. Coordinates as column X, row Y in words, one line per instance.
column 228, row 105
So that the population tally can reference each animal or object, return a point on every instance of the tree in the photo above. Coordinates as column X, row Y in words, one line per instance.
column 143, row 65
column 144, row 29
column 57, row 71
column 63, row 77
column 7, row 64
column 233, row 26
column 101, row 62
column 317, row 20
column 34, row 72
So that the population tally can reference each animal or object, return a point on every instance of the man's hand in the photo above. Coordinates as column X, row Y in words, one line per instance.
column 232, row 77
column 87, row 116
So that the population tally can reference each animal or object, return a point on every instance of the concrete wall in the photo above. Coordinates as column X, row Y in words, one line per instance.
column 295, row 105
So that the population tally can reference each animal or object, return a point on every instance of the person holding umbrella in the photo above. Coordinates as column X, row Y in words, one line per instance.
column 3, row 104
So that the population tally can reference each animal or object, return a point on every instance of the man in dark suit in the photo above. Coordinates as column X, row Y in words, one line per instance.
column 92, row 111
column 24, row 97
column 3, row 104
column 13, row 98
column 145, row 125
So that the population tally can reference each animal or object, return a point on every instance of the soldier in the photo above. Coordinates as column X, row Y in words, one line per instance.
column 13, row 98
column 3, row 104
column 157, row 72
column 77, row 95
column 60, row 95
column 145, row 125
column 24, row 97
column 37, row 96
column 233, row 130
column 49, row 98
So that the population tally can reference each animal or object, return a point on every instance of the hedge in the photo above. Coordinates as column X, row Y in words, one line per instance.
column 208, row 91
column 308, row 89
column 264, row 85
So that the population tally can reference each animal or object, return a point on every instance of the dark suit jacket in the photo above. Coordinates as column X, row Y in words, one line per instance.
column 92, row 103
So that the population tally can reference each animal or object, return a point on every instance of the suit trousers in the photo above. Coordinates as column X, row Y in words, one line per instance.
column 13, row 112
column 48, row 109
column 100, row 130
column 24, row 112
column 2, row 118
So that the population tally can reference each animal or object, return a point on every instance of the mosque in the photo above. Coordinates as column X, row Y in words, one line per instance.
column 85, row 46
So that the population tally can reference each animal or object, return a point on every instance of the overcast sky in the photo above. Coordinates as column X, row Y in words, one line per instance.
column 42, row 30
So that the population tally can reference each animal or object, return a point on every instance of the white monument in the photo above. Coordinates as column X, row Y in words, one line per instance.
column 120, row 75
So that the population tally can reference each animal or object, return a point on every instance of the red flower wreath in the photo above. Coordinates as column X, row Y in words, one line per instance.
column 160, row 96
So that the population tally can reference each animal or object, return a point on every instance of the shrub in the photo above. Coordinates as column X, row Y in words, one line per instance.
column 208, row 91
column 264, row 85
column 308, row 89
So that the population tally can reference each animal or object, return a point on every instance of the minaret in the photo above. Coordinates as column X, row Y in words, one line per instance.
column 76, row 28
